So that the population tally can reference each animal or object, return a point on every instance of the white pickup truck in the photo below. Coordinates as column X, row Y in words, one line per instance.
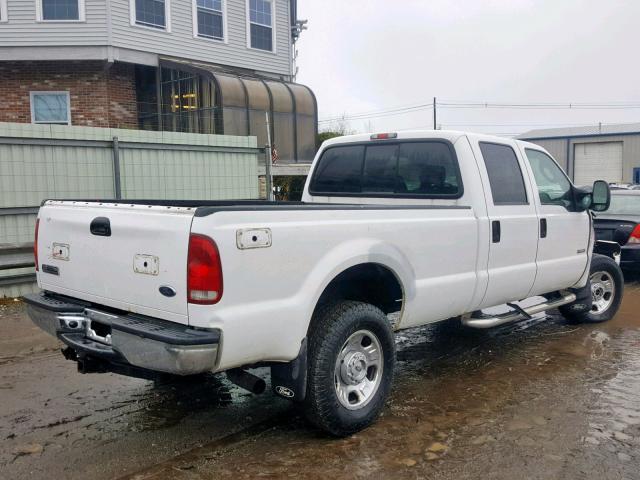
column 431, row 225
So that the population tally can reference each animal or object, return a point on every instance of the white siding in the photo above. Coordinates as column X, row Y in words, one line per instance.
column 22, row 30
column 180, row 42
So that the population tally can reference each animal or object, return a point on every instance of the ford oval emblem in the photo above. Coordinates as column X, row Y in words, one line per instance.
column 167, row 291
column 284, row 391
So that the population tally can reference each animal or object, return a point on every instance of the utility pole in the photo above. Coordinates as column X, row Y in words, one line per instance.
column 435, row 126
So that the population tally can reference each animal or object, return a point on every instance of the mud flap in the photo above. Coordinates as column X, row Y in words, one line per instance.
column 583, row 299
column 289, row 380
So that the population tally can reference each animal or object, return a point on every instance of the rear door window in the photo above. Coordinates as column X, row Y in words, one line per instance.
column 401, row 169
column 505, row 175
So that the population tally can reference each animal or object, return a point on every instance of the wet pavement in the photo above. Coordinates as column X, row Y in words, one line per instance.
column 540, row 399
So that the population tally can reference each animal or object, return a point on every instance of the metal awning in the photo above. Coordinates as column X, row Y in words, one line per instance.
column 243, row 101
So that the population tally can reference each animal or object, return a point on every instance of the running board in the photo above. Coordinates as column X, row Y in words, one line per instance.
column 517, row 315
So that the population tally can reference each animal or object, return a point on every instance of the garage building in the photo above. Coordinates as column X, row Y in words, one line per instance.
column 601, row 152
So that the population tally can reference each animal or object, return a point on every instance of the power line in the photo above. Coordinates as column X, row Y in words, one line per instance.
column 487, row 105
column 375, row 114
column 550, row 125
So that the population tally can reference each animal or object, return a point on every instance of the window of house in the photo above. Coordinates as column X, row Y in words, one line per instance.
column 60, row 10
column 505, row 176
column 50, row 108
column 261, row 24
column 405, row 169
column 554, row 188
column 3, row 11
column 150, row 13
column 209, row 21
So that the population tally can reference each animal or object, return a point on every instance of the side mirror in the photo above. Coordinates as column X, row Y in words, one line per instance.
column 600, row 196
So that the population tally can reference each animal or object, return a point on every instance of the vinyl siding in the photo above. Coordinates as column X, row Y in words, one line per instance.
column 22, row 30
column 180, row 42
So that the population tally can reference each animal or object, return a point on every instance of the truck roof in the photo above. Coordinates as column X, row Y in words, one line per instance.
column 451, row 135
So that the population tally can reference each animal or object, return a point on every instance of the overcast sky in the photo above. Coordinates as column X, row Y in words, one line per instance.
column 374, row 55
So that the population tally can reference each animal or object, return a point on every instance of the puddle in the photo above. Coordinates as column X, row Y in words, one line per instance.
column 538, row 399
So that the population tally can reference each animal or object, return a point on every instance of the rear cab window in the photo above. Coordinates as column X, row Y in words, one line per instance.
column 404, row 169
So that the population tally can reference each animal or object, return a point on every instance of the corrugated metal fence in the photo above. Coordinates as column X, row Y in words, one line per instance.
column 51, row 161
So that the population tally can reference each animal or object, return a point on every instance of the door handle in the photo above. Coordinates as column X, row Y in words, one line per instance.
column 100, row 226
column 495, row 231
column 543, row 228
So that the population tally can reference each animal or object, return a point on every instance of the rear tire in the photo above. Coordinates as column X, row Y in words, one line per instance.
column 607, row 287
column 350, row 367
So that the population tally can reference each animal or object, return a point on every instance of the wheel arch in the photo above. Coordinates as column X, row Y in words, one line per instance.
column 371, row 282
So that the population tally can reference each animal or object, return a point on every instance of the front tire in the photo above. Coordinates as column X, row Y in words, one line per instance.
column 350, row 367
column 607, row 287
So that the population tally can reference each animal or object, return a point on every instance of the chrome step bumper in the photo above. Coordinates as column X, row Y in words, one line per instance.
column 513, row 316
column 143, row 342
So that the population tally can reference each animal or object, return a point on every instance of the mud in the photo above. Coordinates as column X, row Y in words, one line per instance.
column 540, row 399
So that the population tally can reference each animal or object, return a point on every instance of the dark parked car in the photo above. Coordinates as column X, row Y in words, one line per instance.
column 621, row 224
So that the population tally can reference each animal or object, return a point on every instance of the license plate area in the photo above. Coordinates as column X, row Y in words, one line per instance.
column 98, row 326
column 146, row 264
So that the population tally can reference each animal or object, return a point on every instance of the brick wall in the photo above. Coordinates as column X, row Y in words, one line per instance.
column 101, row 95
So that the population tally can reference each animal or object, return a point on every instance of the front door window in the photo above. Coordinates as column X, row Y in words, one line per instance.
column 554, row 187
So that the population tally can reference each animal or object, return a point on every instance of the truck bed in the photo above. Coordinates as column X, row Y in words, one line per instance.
column 204, row 208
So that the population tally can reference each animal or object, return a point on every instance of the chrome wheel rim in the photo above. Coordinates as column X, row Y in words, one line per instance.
column 602, row 292
column 358, row 370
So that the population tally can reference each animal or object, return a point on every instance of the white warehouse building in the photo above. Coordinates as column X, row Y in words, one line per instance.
column 601, row 152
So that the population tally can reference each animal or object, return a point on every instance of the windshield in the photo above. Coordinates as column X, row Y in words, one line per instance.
column 624, row 205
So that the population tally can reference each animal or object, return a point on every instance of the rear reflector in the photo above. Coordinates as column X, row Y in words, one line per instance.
column 35, row 244
column 204, row 271
column 635, row 235
column 383, row 136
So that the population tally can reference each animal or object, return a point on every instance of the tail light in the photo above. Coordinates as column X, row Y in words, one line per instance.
column 635, row 235
column 35, row 244
column 204, row 271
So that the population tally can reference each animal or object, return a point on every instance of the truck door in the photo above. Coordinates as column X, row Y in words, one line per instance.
column 513, row 222
column 564, row 233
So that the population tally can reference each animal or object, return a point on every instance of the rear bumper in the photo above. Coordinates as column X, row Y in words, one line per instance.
column 630, row 256
column 125, row 339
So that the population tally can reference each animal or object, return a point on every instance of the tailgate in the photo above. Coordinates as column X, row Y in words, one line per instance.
column 122, row 261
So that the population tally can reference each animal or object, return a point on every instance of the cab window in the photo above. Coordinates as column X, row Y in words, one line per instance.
column 505, row 176
column 400, row 169
column 554, row 187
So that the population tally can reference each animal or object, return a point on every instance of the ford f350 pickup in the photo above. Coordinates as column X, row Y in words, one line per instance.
column 431, row 225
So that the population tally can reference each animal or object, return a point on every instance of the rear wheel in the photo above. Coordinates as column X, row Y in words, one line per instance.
column 607, row 287
column 351, row 360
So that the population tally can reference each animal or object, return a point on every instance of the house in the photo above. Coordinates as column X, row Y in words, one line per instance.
column 197, row 66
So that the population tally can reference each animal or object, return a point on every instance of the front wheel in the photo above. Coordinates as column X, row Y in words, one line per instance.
column 607, row 287
column 351, row 360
